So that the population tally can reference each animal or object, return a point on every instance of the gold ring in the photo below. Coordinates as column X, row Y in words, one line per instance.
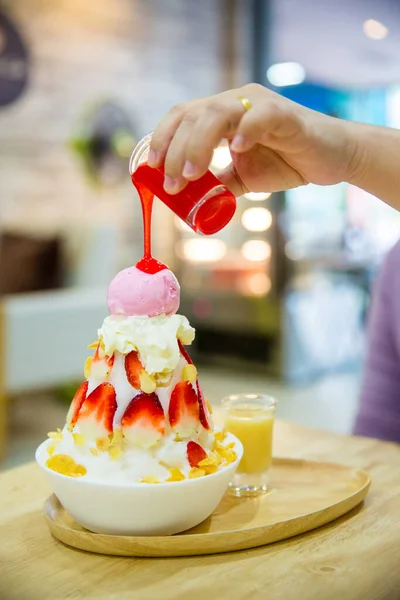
column 245, row 102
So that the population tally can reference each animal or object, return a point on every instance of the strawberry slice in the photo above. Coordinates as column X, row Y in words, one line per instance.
column 204, row 413
column 77, row 401
column 195, row 454
column 143, row 422
column 183, row 409
column 96, row 415
column 133, row 368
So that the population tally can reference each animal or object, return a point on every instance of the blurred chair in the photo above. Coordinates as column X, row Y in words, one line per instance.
column 44, row 340
column 44, row 335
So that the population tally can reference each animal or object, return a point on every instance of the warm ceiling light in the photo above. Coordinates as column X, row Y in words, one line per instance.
column 257, row 196
column 256, row 219
column 201, row 250
column 221, row 157
column 256, row 250
column 375, row 30
column 255, row 284
column 287, row 73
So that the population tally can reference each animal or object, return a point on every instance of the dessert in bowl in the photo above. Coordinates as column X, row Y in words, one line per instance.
column 138, row 508
column 139, row 454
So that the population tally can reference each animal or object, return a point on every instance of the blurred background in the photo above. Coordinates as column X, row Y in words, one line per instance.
column 280, row 297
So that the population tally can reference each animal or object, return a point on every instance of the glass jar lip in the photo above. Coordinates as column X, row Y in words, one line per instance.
column 140, row 152
column 270, row 402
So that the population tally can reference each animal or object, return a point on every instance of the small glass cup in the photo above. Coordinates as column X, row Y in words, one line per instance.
column 206, row 205
column 251, row 418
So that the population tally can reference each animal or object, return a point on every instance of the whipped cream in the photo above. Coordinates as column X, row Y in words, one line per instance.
column 167, row 423
column 135, row 463
column 155, row 338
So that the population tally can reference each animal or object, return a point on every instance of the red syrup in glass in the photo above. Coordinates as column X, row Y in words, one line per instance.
column 206, row 205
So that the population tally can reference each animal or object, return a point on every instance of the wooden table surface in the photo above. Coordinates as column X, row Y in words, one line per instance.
column 356, row 557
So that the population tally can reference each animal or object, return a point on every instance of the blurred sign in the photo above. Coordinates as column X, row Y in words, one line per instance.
column 13, row 62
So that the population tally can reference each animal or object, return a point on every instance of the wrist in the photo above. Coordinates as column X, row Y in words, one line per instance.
column 357, row 153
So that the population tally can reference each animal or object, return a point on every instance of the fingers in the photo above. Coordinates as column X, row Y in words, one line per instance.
column 165, row 131
column 217, row 120
column 264, row 122
column 175, row 157
column 230, row 179
column 185, row 139
column 200, row 130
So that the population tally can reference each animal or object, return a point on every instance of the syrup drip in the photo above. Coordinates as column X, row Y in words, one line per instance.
column 148, row 264
column 203, row 411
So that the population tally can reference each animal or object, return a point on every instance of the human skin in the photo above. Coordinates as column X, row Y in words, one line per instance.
column 276, row 145
column 279, row 145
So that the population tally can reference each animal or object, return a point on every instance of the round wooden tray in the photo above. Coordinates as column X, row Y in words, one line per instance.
column 304, row 495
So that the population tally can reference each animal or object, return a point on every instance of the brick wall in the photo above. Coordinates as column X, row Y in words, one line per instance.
column 144, row 54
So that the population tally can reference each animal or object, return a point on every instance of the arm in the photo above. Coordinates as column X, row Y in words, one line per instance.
column 379, row 411
column 376, row 161
column 275, row 145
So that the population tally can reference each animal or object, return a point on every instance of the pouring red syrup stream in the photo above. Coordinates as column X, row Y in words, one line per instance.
column 148, row 264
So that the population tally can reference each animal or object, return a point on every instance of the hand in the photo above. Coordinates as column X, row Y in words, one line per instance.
column 275, row 145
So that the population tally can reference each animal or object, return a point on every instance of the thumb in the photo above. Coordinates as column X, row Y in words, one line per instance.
column 230, row 178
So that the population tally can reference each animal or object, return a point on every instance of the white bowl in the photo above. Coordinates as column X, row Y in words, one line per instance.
column 140, row 508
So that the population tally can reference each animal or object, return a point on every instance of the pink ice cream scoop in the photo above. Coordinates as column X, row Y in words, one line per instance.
column 133, row 292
